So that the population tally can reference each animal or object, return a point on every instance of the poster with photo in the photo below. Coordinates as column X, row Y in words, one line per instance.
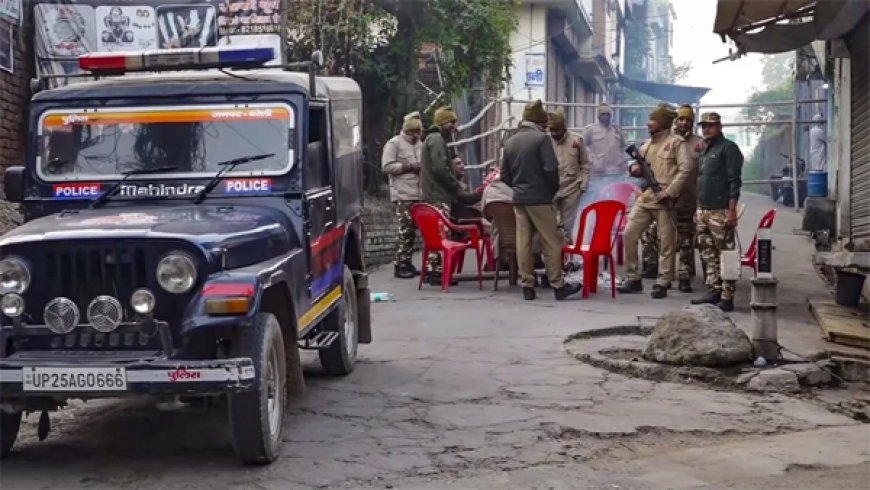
column 186, row 26
column 123, row 28
column 250, row 17
column 65, row 30
column 7, row 46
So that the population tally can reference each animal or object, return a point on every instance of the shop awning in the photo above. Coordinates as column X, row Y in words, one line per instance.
column 667, row 92
column 776, row 26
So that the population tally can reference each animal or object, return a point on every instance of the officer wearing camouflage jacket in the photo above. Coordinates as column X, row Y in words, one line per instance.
column 719, row 186
column 684, row 208
column 401, row 163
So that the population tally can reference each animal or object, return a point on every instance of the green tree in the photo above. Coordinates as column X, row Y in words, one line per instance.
column 377, row 42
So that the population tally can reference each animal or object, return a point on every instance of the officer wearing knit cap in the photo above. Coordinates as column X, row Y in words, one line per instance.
column 684, row 207
column 401, row 163
column 531, row 169
column 574, row 169
column 670, row 163
column 441, row 186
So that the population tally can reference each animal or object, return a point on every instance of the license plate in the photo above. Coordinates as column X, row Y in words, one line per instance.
column 74, row 379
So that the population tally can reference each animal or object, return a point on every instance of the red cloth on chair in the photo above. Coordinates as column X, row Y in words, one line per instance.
column 622, row 192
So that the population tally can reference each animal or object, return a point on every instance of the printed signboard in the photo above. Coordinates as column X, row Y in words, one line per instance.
column 67, row 29
column 536, row 66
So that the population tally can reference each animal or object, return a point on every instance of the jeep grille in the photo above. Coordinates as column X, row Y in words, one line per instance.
column 84, row 270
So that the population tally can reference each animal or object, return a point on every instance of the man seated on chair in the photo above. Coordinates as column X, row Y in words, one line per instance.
column 441, row 187
column 530, row 168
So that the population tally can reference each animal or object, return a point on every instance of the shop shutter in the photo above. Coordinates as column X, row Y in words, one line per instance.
column 859, row 47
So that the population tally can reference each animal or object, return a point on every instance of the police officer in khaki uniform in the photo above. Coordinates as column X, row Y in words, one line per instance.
column 574, row 169
column 684, row 208
column 529, row 166
column 671, row 164
column 719, row 184
column 401, row 163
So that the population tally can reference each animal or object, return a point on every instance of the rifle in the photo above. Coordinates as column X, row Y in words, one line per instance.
column 649, row 179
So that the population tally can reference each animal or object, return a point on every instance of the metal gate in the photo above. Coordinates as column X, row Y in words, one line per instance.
column 859, row 48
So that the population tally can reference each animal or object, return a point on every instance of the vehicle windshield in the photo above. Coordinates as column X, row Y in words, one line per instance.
column 102, row 144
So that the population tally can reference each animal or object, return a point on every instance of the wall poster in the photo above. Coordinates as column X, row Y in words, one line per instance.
column 67, row 29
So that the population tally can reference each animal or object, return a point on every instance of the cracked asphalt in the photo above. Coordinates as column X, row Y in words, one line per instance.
column 463, row 390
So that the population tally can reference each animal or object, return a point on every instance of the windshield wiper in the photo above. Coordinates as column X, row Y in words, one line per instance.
column 104, row 197
column 227, row 166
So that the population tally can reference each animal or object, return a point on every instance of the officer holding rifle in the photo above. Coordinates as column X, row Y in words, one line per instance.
column 664, row 163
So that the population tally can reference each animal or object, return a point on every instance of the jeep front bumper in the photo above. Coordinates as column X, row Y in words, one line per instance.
column 74, row 375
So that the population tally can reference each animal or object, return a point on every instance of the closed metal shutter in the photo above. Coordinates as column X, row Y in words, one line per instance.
column 859, row 50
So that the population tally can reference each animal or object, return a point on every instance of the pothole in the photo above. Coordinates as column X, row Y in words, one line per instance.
column 619, row 349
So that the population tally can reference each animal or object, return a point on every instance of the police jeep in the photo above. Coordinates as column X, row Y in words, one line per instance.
column 186, row 231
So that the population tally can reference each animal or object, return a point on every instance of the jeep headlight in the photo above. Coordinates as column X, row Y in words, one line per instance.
column 176, row 272
column 14, row 276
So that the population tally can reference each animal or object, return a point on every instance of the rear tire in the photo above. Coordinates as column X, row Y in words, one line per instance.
column 340, row 357
column 257, row 417
column 9, row 425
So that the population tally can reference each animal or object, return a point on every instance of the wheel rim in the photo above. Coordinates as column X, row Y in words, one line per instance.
column 349, row 326
column 274, row 394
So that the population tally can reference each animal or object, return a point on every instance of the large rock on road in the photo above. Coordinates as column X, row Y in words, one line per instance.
column 698, row 336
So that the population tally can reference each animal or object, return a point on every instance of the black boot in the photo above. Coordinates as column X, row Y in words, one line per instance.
column 529, row 294
column 711, row 298
column 567, row 290
column 726, row 305
column 685, row 286
column 402, row 271
column 630, row 287
column 413, row 269
column 659, row 292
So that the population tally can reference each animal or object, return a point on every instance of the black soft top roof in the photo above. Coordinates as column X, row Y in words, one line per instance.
column 212, row 82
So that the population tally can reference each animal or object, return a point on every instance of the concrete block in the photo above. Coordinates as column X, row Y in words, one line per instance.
column 852, row 369
column 775, row 380
column 809, row 374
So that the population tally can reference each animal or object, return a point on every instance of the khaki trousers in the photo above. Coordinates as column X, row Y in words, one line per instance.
column 541, row 219
column 568, row 207
column 638, row 221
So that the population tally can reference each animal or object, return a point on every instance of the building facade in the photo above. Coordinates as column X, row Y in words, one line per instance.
column 565, row 51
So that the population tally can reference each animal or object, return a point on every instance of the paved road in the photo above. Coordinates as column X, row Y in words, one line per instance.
column 469, row 390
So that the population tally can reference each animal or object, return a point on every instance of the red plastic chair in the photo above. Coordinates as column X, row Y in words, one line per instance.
column 607, row 214
column 622, row 192
column 750, row 258
column 434, row 226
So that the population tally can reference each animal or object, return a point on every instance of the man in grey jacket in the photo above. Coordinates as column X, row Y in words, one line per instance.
column 531, row 169
column 401, row 162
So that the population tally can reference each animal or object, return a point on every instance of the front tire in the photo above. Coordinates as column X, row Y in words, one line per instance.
column 340, row 357
column 9, row 425
column 257, row 417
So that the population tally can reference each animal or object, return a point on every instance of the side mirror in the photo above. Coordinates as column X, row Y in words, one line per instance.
column 13, row 183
